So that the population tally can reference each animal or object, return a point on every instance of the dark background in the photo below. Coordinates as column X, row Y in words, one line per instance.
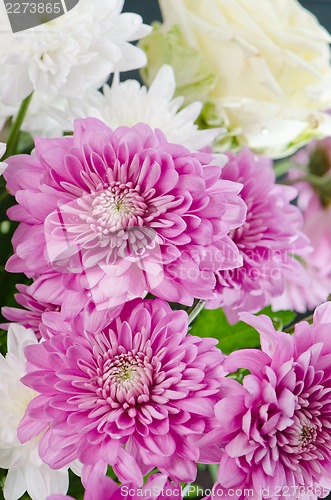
column 149, row 10
column 321, row 9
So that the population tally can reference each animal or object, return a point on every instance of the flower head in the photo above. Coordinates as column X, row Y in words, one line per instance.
column 141, row 383
column 128, row 103
column 26, row 472
column 32, row 314
column 120, row 213
column 274, row 430
column 312, row 170
column 70, row 54
column 268, row 240
column 46, row 303
column 270, row 62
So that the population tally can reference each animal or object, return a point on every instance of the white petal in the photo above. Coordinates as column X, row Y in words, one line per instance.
column 3, row 147
column 15, row 485
column 76, row 467
column 43, row 481
column 6, row 458
column 164, row 84
column 128, row 103
column 18, row 338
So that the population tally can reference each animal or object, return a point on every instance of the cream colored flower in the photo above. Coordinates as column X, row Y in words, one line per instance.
column 271, row 62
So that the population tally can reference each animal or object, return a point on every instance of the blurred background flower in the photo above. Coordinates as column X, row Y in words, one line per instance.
column 310, row 173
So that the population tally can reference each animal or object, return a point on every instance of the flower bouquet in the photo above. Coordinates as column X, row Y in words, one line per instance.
column 165, row 251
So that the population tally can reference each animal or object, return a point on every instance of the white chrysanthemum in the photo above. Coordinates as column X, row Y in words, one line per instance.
column 27, row 472
column 70, row 54
column 5, row 113
column 42, row 116
column 128, row 103
column 3, row 165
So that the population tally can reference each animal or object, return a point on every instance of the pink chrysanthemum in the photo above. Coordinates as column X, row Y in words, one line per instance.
column 125, row 213
column 275, row 430
column 142, row 382
column 47, row 303
column 31, row 315
column 267, row 241
column 314, row 199
column 104, row 488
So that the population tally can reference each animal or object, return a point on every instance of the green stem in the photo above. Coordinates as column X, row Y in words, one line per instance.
column 213, row 469
column 15, row 128
column 282, row 167
column 292, row 182
column 195, row 310
column 3, row 195
column 309, row 319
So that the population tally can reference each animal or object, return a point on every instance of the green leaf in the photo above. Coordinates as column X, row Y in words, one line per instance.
column 3, row 473
column 194, row 76
column 238, row 336
column 76, row 489
column 280, row 319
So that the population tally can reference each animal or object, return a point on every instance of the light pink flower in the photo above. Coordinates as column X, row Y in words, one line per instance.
column 267, row 240
column 314, row 284
column 142, row 383
column 47, row 302
column 31, row 315
column 123, row 212
column 275, row 429
column 104, row 488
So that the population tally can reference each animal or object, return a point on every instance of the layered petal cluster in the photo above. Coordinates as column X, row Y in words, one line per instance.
column 72, row 53
column 45, row 303
column 314, row 199
column 130, row 396
column 128, row 103
column 32, row 314
column 268, row 241
column 103, row 488
column 120, row 213
column 274, row 430
column 26, row 471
